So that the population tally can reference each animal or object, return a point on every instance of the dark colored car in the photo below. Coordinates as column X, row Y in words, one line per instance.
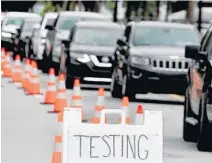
column 22, row 40
column 89, row 51
column 197, row 126
column 13, row 21
column 61, row 30
column 150, row 58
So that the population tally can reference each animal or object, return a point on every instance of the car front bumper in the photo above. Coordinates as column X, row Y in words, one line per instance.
column 158, row 82
column 88, row 72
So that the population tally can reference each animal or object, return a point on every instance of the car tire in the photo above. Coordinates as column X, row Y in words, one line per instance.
column 189, row 131
column 115, row 88
column 46, row 62
column 69, row 82
column 128, row 88
column 204, row 142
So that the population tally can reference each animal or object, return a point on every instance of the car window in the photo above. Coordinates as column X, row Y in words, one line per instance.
column 165, row 36
column 66, row 23
column 97, row 36
column 50, row 21
column 14, row 21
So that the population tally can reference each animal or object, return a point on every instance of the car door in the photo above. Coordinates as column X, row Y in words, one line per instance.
column 198, row 72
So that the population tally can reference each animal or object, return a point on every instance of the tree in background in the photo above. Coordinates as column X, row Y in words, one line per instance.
column 48, row 8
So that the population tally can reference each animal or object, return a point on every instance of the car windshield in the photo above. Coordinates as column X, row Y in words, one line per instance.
column 14, row 21
column 50, row 21
column 28, row 26
column 97, row 36
column 164, row 36
column 66, row 23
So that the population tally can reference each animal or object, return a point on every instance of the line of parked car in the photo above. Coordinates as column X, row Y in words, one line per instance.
column 139, row 57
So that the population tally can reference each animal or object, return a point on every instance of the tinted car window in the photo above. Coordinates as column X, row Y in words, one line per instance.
column 66, row 23
column 97, row 36
column 14, row 21
column 50, row 21
column 165, row 36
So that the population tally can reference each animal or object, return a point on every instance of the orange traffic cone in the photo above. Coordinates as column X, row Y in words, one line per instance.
column 124, row 106
column 139, row 117
column 3, row 50
column 16, row 74
column 25, row 75
column 35, row 82
column 29, row 76
column 7, row 66
column 61, row 101
column 3, row 57
column 57, row 154
column 76, row 98
column 99, row 106
column 51, row 92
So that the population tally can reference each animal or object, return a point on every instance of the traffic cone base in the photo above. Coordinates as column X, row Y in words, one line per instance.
column 60, row 104
column 50, row 97
column 16, row 77
column 56, row 157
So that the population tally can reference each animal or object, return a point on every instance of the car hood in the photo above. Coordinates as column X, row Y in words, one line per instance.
column 96, row 50
column 10, row 28
column 26, row 34
column 160, row 51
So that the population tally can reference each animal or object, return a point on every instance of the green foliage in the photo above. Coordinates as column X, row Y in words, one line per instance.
column 48, row 8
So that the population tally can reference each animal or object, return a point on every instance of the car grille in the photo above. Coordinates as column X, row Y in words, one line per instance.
column 175, row 65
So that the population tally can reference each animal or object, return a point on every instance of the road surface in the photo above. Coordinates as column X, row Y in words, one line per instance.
column 28, row 127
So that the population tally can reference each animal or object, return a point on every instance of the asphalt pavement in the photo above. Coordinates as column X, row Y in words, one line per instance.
column 28, row 127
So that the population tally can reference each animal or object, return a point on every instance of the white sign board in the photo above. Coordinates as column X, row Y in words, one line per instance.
column 113, row 143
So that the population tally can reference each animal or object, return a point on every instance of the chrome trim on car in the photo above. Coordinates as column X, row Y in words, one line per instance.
column 99, row 64
column 178, row 65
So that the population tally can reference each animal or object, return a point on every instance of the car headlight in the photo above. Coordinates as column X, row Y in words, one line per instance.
column 4, row 34
column 43, row 41
column 84, row 58
column 140, row 60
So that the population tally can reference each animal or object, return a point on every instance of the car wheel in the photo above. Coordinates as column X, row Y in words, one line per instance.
column 115, row 88
column 46, row 62
column 204, row 142
column 189, row 130
column 127, row 88
column 69, row 82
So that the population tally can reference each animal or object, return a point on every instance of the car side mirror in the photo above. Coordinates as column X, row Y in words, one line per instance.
column 49, row 27
column 121, row 42
column 65, row 42
column 18, row 31
column 191, row 51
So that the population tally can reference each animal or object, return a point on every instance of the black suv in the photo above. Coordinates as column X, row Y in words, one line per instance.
column 89, row 52
column 198, row 97
column 61, row 30
column 150, row 58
